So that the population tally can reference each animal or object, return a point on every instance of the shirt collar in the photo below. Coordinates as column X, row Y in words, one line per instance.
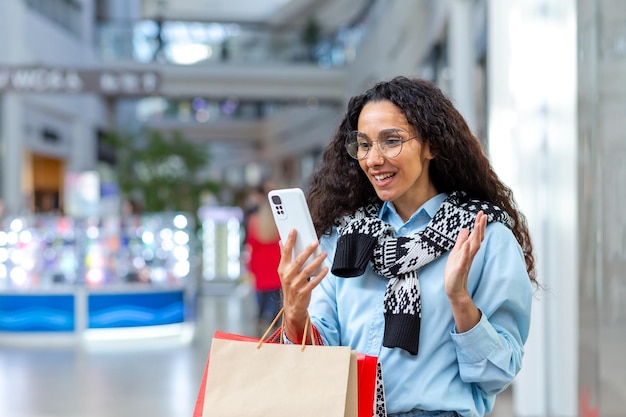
column 430, row 207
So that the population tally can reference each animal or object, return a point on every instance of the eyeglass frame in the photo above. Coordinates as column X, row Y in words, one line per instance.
column 389, row 132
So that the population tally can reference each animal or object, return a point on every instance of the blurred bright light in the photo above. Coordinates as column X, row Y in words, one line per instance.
column 19, row 276
column 181, row 237
column 189, row 53
column 26, row 236
column 138, row 262
column 12, row 238
column 180, row 221
column 203, row 116
column 181, row 253
column 95, row 276
column 17, row 256
column 16, row 225
column 93, row 232
column 29, row 263
column 166, row 234
column 167, row 245
column 181, row 269
column 147, row 237
column 158, row 275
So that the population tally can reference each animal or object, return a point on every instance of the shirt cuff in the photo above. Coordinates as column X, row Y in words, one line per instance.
column 476, row 344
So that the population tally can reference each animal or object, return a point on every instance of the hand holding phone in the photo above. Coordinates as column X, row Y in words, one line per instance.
column 291, row 211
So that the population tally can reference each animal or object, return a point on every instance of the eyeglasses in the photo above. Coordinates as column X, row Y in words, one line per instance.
column 389, row 143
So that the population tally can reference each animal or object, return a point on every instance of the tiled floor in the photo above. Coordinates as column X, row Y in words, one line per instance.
column 156, row 377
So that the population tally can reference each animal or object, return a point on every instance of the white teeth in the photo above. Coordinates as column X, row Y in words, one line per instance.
column 382, row 177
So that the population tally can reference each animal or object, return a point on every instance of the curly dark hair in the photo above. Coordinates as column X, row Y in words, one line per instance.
column 338, row 186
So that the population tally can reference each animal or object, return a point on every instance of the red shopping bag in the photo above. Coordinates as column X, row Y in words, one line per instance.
column 369, row 379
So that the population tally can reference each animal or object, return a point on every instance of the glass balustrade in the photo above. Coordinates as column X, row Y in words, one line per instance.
column 194, row 43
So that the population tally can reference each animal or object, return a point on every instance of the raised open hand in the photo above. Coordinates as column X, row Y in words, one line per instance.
column 460, row 259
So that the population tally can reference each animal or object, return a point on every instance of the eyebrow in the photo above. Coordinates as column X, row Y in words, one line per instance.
column 383, row 132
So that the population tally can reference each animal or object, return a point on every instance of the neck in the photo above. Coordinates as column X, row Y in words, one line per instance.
column 407, row 205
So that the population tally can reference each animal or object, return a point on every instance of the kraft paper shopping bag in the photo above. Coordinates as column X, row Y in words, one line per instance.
column 368, row 375
column 263, row 379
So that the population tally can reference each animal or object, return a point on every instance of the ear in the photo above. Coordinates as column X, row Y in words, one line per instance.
column 426, row 152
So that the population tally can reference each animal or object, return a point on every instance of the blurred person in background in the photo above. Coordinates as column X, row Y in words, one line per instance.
column 263, row 256
column 426, row 261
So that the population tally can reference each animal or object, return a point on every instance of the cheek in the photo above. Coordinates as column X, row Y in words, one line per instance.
column 419, row 160
column 416, row 166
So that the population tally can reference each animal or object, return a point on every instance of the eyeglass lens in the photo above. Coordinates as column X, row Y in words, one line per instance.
column 389, row 144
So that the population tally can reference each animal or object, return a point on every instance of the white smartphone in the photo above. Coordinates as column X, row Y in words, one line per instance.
column 291, row 211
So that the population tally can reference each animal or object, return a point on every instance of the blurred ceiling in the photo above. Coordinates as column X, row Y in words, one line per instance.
column 218, row 10
column 331, row 14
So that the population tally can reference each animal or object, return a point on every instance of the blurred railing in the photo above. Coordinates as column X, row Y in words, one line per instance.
column 192, row 43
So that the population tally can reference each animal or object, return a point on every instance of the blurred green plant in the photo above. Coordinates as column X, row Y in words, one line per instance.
column 163, row 172
column 311, row 35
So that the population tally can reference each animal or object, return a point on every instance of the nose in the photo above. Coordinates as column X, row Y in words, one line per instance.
column 375, row 156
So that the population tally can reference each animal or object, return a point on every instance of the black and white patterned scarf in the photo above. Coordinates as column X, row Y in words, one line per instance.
column 363, row 237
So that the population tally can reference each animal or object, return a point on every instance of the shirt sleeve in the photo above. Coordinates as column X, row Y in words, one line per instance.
column 490, row 354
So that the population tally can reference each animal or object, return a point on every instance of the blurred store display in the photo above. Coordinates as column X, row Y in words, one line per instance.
column 73, row 276
column 40, row 251
column 221, row 242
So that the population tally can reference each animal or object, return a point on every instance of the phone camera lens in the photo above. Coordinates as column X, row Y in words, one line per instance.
column 276, row 199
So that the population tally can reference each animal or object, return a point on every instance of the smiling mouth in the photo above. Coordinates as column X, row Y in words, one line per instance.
column 383, row 177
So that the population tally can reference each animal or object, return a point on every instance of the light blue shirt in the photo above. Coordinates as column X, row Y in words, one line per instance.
column 452, row 371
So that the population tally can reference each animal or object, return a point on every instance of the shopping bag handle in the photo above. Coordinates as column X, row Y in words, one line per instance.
column 281, row 315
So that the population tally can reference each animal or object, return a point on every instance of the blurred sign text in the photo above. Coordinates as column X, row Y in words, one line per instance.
column 76, row 81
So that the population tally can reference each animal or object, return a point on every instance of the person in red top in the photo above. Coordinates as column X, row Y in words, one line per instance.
column 262, row 242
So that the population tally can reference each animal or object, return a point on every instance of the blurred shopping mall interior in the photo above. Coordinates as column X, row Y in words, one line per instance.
column 133, row 132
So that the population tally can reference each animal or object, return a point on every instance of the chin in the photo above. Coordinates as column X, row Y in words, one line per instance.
column 385, row 195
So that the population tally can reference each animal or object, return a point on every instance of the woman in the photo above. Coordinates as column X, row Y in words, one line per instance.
column 428, row 263
column 262, row 245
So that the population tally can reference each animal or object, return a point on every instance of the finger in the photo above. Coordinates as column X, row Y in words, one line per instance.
column 286, row 248
column 285, row 268
column 483, row 227
column 474, row 241
column 314, row 266
column 483, row 223
column 461, row 238
column 478, row 233
column 317, row 278
column 306, row 253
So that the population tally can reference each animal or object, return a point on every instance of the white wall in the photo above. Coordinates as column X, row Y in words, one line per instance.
column 533, row 145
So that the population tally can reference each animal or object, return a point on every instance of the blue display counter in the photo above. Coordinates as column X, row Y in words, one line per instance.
column 113, row 310
column 125, row 312
column 37, row 313
column 64, row 278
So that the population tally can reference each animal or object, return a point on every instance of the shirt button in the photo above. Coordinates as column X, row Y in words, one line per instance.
column 403, row 230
